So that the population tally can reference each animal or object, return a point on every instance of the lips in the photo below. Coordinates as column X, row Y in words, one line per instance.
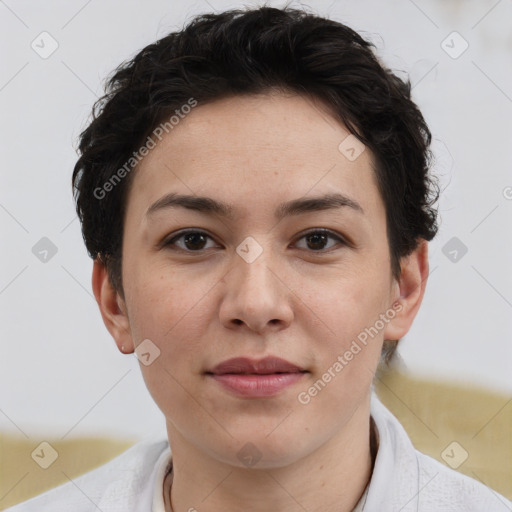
column 266, row 366
column 256, row 378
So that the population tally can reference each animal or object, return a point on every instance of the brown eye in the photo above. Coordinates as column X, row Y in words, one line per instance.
column 316, row 240
column 196, row 241
column 192, row 241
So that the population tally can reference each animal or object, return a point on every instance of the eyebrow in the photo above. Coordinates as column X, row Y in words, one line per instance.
column 210, row 206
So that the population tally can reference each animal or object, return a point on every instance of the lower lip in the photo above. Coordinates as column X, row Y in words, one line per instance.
column 257, row 386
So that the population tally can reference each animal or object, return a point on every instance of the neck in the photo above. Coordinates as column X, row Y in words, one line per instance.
column 340, row 469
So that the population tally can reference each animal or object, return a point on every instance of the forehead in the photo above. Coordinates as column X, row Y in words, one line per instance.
column 256, row 146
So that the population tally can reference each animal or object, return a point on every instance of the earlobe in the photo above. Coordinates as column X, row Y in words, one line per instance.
column 112, row 308
column 411, row 288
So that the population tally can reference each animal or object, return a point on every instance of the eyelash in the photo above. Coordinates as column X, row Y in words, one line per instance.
column 330, row 234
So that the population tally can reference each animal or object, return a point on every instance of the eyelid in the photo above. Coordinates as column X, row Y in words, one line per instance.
column 169, row 241
column 333, row 234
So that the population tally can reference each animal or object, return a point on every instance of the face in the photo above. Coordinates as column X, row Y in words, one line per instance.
column 276, row 275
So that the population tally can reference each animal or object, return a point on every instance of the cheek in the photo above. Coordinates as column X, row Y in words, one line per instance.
column 348, row 352
column 349, row 304
column 168, row 309
column 171, row 311
column 162, row 299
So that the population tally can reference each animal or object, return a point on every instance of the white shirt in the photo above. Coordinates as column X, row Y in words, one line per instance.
column 403, row 480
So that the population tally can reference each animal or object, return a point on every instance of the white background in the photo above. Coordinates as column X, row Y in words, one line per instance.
column 61, row 372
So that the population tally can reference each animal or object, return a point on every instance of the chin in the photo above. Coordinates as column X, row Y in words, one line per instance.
column 256, row 449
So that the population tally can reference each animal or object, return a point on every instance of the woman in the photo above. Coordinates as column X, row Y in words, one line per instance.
column 254, row 191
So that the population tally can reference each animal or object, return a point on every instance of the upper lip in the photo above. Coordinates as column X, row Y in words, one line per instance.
column 265, row 366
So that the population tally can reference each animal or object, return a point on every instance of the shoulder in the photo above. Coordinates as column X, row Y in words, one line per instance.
column 408, row 480
column 448, row 490
column 123, row 480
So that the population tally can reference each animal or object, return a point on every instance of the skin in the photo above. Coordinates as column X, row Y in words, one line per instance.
column 299, row 300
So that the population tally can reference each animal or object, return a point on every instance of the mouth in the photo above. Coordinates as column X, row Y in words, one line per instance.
column 256, row 378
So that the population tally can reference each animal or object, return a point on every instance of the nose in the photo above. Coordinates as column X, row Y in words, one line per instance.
column 257, row 297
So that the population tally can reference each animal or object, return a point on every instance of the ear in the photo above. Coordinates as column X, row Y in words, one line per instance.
column 410, row 290
column 112, row 308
